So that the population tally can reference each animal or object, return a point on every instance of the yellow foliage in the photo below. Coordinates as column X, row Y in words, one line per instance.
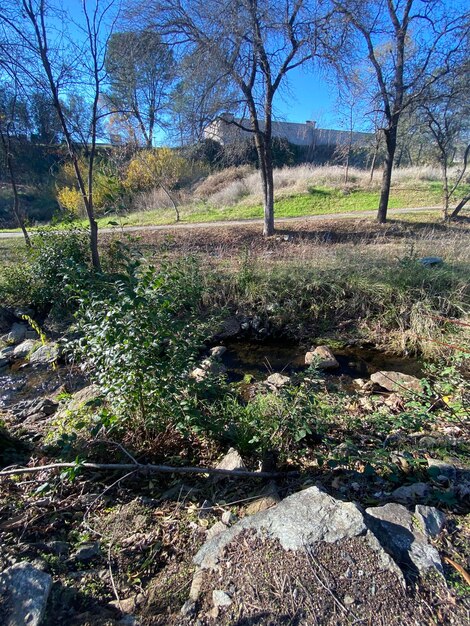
column 71, row 199
column 151, row 168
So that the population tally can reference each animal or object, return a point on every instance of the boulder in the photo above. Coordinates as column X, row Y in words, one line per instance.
column 277, row 380
column 229, row 328
column 16, row 335
column 409, row 494
column 25, row 591
column 431, row 520
column 24, row 348
column 87, row 551
column 438, row 468
column 269, row 498
column 323, row 357
column 405, row 537
column 396, row 381
column 45, row 354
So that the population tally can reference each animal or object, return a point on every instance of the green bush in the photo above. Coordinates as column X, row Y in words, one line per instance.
column 44, row 276
column 140, row 337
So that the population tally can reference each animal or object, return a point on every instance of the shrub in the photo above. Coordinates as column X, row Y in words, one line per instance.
column 139, row 340
column 56, row 263
column 151, row 168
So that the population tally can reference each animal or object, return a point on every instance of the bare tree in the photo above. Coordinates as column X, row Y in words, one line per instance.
column 445, row 114
column 256, row 44
column 9, row 135
column 58, row 63
column 407, row 45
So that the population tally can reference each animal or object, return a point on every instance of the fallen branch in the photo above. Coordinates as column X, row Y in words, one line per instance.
column 465, row 575
column 145, row 468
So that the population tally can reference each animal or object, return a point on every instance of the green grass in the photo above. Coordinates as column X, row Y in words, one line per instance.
column 319, row 201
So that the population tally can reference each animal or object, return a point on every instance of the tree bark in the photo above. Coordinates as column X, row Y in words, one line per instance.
column 391, row 142
column 460, row 206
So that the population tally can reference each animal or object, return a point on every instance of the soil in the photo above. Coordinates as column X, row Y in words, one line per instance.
column 332, row 585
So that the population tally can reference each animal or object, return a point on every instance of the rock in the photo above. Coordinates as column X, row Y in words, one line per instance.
column 297, row 521
column 128, row 605
column 218, row 351
column 84, row 396
column 231, row 461
column 277, row 380
column 7, row 352
column 269, row 499
column 220, row 598
column 397, row 530
column 4, row 363
column 188, row 609
column 216, row 529
column 229, row 328
column 25, row 591
column 87, row 551
column 196, row 585
column 228, row 518
column 394, row 402
column 6, row 319
column 16, row 335
column 323, row 357
column 409, row 494
column 198, row 374
column 208, row 367
column 59, row 548
column 31, row 334
column 24, row 348
column 396, row 381
column 437, row 468
column 428, row 443
column 360, row 383
column 432, row 520
column 45, row 354
column 430, row 261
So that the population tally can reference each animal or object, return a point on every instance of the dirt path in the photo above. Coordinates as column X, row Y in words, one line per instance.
column 230, row 223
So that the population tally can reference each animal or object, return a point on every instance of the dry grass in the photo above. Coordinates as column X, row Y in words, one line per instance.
column 236, row 184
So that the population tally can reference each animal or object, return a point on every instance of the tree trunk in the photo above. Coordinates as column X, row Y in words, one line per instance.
column 391, row 142
column 460, row 206
column 16, row 200
column 268, row 229
column 95, row 257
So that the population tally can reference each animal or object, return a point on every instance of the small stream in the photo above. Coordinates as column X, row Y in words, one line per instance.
column 259, row 359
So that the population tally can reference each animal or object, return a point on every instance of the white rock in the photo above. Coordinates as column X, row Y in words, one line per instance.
column 323, row 357
column 277, row 380
column 25, row 591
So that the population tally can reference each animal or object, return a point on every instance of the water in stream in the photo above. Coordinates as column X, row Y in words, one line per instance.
column 259, row 359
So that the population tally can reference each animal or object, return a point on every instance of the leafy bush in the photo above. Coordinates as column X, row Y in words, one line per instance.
column 56, row 263
column 140, row 340
column 279, row 422
column 151, row 168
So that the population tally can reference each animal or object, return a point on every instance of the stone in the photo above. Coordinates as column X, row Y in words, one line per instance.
column 87, row 551
column 430, row 261
column 7, row 352
column 31, row 334
column 59, row 548
column 400, row 534
column 409, row 494
column 228, row 518
column 229, row 328
column 198, row 374
column 216, row 529
column 16, row 335
column 436, row 468
column 25, row 591
column 269, row 498
column 323, row 358
column 6, row 319
column 231, row 461
column 196, row 585
column 220, row 598
column 45, row 354
column 4, row 363
column 396, row 381
column 299, row 520
column 188, row 609
column 431, row 519
column 394, row 402
column 218, row 351
column 24, row 348
column 277, row 380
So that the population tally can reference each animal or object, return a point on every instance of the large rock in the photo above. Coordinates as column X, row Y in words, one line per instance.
column 410, row 494
column 298, row 521
column 24, row 590
column 24, row 348
column 45, row 354
column 323, row 357
column 405, row 537
column 396, row 381
column 16, row 335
